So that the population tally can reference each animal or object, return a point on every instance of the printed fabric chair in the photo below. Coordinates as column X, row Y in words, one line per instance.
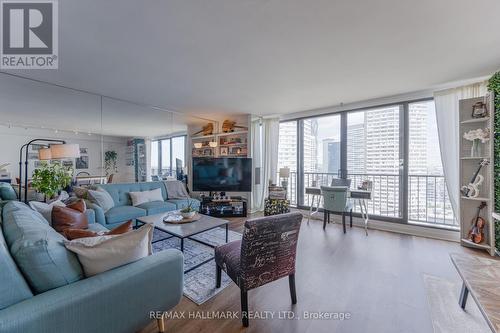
column 266, row 253
column 335, row 201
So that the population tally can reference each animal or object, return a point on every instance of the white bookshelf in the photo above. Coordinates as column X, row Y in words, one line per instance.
column 468, row 166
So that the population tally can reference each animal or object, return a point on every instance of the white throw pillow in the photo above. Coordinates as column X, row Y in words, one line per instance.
column 102, row 253
column 145, row 196
column 46, row 209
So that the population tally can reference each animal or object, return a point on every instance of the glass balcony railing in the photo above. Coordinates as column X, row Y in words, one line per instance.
column 428, row 201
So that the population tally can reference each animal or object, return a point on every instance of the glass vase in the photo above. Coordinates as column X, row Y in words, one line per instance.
column 476, row 148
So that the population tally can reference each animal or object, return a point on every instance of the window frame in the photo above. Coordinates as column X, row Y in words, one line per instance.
column 403, row 155
column 158, row 141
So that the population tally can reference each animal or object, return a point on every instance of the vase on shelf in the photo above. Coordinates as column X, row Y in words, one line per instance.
column 476, row 148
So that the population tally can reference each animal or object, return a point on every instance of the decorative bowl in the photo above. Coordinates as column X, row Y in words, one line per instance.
column 189, row 215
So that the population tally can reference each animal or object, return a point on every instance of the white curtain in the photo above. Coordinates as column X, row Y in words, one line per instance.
column 265, row 138
column 447, row 116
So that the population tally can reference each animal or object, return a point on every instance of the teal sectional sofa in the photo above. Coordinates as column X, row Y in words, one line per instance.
column 123, row 210
column 43, row 288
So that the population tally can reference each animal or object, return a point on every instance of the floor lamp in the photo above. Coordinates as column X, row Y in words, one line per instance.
column 56, row 149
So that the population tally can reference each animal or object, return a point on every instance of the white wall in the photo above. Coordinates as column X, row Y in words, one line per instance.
column 11, row 140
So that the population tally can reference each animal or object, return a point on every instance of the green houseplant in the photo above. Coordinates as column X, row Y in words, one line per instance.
column 110, row 158
column 494, row 87
column 50, row 179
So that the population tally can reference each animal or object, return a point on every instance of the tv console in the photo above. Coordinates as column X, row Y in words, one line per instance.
column 224, row 207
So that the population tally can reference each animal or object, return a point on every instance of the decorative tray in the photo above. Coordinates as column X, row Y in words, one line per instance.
column 196, row 217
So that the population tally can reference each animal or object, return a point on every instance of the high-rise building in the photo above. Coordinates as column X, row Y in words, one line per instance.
column 356, row 149
column 331, row 155
column 311, row 145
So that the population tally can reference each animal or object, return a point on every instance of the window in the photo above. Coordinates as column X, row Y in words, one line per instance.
column 395, row 146
column 164, row 154
column 165, row 158
column 373, row 153
column 287, row 155
column 427, row 193
column 154, row 158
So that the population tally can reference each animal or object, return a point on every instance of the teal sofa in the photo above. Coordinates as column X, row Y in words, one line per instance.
column 43, row 288
column 123, row 210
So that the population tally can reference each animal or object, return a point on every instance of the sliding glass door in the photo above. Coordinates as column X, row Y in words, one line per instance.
column 394, row 146
column 373, row 153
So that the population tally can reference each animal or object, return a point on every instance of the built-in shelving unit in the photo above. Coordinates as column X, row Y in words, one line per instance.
column 232, row 144
column 468, row 166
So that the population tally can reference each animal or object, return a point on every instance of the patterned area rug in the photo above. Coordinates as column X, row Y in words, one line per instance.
column 447, row 316
column 199, row 284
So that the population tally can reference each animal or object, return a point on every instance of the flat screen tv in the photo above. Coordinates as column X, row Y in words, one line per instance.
column 222, row 174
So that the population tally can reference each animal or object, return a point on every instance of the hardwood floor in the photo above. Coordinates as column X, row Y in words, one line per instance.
column 376, row 279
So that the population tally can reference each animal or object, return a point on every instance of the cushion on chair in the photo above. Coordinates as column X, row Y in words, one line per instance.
column 228, row 257
column 157, row 207
column 182, row 203
column 141, row 197
column 38, row 250
column 102, row 198
column 13, row 287
column 7, row 192
column 123, row 213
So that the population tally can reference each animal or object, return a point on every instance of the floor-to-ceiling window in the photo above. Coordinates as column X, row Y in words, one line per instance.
column 394, row 146
column 165, row 153
column 287, row 155
column 427, row 194
column 373, row 153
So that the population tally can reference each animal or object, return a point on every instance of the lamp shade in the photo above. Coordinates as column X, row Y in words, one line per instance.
column 44, row 154
column 284, row 172
column 65, row 151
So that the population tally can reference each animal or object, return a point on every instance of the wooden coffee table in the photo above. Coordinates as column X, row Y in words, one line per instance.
column 186, row 230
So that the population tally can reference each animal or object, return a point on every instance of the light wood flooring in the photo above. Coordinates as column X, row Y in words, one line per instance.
column 377, row 279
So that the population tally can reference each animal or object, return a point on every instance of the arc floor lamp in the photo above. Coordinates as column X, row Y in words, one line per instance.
column 53, row 150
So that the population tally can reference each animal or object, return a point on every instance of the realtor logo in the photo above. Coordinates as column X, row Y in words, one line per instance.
column 29, row 37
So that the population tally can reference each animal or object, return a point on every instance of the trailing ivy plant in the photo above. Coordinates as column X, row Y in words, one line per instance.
column 494, row 87
column 50, row 179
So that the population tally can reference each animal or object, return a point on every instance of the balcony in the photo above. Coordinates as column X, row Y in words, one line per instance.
column 428, row 201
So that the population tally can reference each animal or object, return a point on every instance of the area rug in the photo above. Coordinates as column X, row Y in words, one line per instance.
column 447, row 316
column 199, row 284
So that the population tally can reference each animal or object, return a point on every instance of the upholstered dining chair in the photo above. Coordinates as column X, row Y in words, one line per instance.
column 335, row 201
column 266, row 253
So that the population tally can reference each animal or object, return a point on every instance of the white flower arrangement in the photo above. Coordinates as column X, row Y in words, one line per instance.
column 478, row 134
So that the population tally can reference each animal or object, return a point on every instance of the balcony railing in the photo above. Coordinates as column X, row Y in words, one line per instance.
column 428, row 200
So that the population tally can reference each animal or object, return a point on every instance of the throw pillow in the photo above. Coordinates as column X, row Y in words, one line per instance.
column 102, row 198
column 45, row 209
column 139, row 198
column 78, row 205
column 71, row 234
column 65, row 218
column 102, row 253
column 7, row 192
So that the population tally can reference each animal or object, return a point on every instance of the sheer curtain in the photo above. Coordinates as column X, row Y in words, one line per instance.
column 265, row 138
column 448, row 131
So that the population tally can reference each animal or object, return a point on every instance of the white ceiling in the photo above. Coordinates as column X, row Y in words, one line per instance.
column 270, row 56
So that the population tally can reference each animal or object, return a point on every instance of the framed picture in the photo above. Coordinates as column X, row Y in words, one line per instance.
column 67, row 163
column 82, row 162
column 84, row 151
column 224, row 151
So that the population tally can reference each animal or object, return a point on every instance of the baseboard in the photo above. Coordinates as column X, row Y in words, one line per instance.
column 407, row 229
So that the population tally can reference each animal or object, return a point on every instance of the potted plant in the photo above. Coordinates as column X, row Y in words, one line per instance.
column 50, row 179
column 110, row 158
column 188, row 212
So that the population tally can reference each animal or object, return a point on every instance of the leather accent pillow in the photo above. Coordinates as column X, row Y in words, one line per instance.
column 45, row 209
column 71, row 234
column 65, row 218
column 102, row 253
column 78, row 205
